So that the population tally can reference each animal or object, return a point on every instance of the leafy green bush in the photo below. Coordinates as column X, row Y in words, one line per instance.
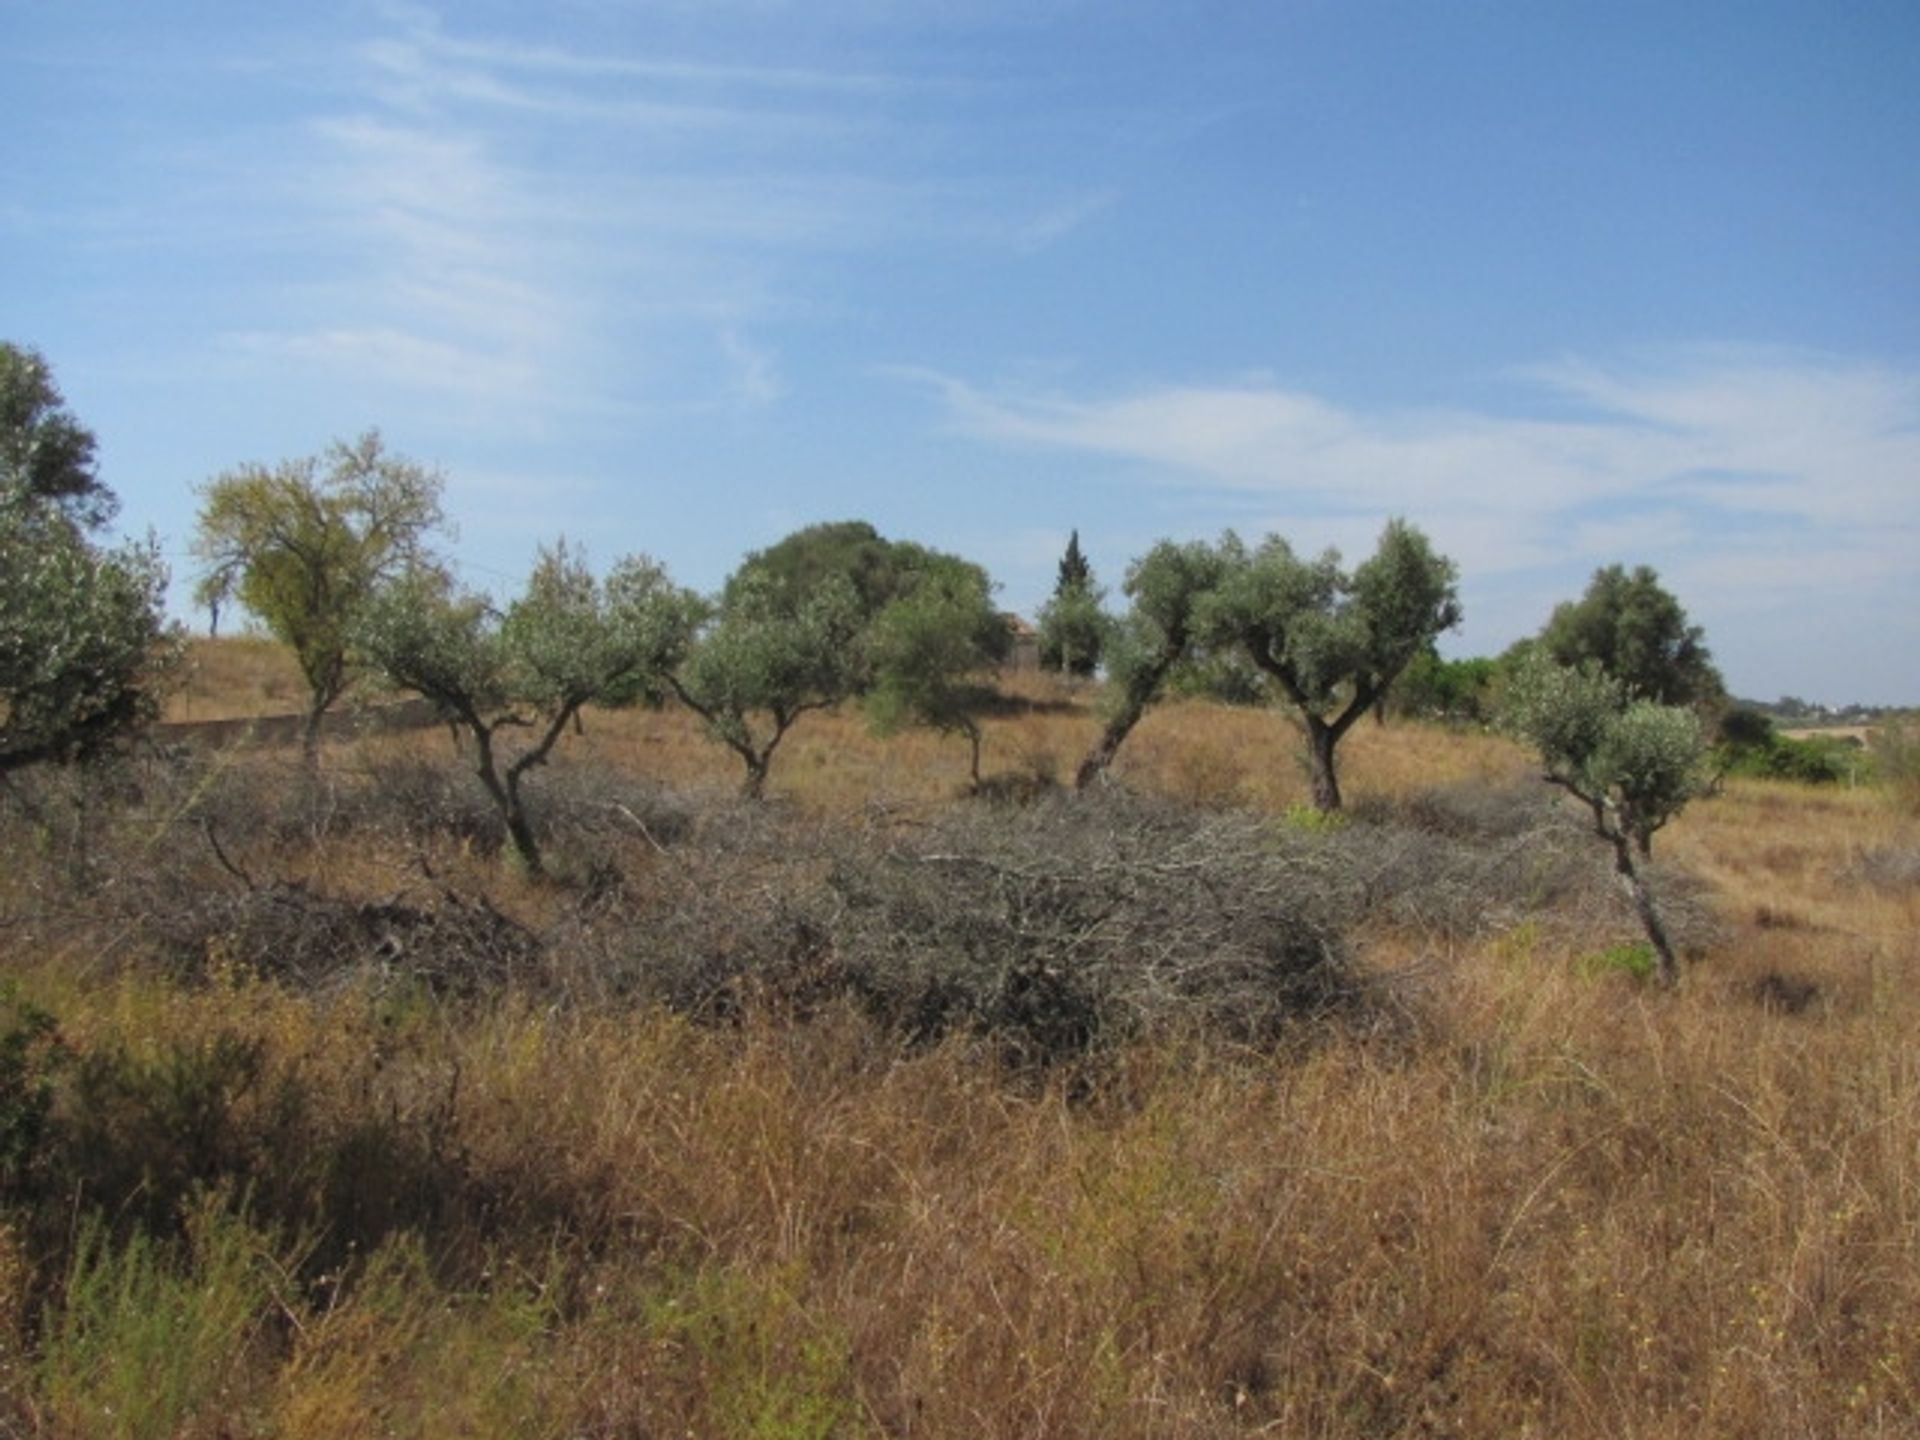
column 1817, row 760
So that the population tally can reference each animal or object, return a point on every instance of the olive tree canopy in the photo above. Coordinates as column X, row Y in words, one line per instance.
column 1167, row 588
column 82, row 639
column 928, row 649
column 1634, row 763
column 568, row 641
column 1333, row 641
column 768, row 656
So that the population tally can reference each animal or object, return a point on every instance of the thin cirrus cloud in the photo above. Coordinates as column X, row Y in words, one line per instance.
column 526, row 210
column 1720, row 446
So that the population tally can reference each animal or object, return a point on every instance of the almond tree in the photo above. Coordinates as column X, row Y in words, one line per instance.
column 302, row 545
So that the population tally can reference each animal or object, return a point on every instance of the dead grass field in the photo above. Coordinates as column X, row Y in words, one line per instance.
column 1545, row 1201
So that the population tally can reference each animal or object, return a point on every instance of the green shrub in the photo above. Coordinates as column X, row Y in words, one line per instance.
column 1634, row 958
column 150, row 1336
column 1817, row 760
column 1314, row 822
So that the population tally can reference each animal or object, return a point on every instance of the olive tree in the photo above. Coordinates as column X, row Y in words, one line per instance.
column 765, row 658
column 928, row 650
column 83, row 642
column 1168, row 587
column 568, row 641
column 302, row 545
column 1332, row 641
column 1633, row 763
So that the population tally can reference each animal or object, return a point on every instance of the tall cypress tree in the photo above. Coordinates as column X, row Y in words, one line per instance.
column 1072, row 626
column 1075, row 572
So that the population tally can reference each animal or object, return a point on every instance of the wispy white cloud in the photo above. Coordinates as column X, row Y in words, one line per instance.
column 756, row 370
column 531, row 210
column 392, row 357
column 1756, row 481
column 1061, row 218
column 1805, row 439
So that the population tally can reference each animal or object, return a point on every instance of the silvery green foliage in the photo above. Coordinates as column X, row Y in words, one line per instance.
column 769, row 655
column 928, row 649
column 571, row 640
column 82, row 641
column 568, row 641
column 444, row 647
column 1333, row 642
column 1073, row 630
column 761, row 654
column 81, row 635
column 1633, row 760
column 1635, row 764
column 1166, row 587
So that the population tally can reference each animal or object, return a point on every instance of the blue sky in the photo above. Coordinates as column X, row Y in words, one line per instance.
column 1563, row 284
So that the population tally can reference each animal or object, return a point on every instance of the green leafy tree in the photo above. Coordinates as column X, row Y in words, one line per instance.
column 766, row 658
column 878, row 570
column 929, row 649
column 83, row 645
column 304, row 544
column 46, row 455
column 1632, row 762
column 1458, row 692
column 1630, row 626
column 1333, row 642
column 1167, row 588
column 568, row 641
column 1073, row 626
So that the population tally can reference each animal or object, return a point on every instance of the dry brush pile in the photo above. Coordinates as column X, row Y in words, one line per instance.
column 1108, row 1115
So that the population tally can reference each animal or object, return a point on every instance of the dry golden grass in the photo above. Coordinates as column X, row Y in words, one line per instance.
column 1561, row 1205
column 234, row 678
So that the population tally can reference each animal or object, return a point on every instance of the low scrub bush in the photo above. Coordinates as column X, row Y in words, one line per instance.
column 1892, row 868
column 290, row 932
column 1816, row 760
column 1087, row 919
column 1050, row 929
